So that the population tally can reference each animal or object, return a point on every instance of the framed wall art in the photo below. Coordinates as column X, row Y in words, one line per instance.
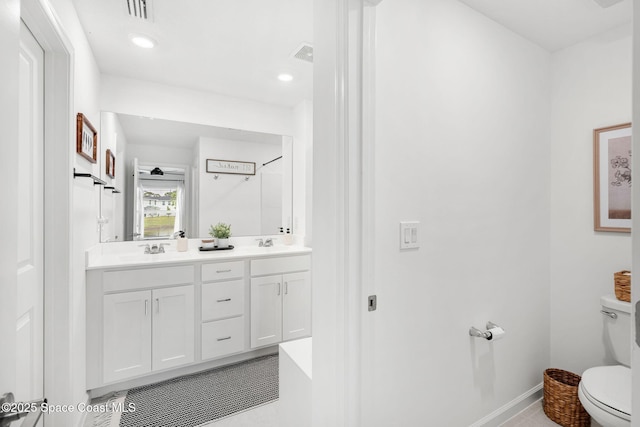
column 86, row 139
column 612, row 178
column 110, row 164
column 231, row 167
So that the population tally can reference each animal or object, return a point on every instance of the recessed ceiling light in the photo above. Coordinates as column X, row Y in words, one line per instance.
column 285, row 77
column 142, row 41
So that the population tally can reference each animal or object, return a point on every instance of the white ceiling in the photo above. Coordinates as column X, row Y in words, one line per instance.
column 555, row 24
column 238, row 47
column 231, row 47
column 167, row 133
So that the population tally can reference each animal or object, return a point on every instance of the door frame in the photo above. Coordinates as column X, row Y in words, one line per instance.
column 58, row 131
column 635, row 236
column 343, row 207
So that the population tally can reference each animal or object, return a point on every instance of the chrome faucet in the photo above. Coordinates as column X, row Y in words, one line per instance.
column 260, row 242
column 154, row 249
column 268, row 243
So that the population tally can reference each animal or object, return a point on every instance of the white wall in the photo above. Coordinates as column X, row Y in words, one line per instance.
column 303, row 169
column 230, row 198
column 86, row 86
column 591, row 89
column 462, row 145
column 129, row 96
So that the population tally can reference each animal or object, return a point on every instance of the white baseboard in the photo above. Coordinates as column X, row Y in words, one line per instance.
column 502, row 414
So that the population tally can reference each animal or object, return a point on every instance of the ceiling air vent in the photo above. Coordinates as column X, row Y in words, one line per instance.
column 140, row 9
column 304, row 52
column 607, row 3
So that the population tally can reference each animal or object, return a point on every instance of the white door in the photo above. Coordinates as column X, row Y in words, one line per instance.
column 127, row 335
column 266, row 310
column 30, row 205
column 296, row 306
column 173, row 327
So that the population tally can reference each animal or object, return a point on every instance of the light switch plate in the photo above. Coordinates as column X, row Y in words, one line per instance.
column 409, row 235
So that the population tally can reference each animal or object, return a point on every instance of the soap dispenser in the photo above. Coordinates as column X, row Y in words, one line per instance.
column 182, row 244
column 288, row 238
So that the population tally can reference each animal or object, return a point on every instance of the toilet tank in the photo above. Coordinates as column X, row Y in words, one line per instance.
column 617, row 332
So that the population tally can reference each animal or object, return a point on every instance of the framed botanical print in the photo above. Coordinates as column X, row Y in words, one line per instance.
column 612, row 178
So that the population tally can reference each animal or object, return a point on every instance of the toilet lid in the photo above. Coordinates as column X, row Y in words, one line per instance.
column 610, row 386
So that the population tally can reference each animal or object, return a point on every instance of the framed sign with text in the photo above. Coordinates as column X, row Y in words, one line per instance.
column 231, row 167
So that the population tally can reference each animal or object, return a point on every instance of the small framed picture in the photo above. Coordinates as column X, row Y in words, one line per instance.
column 612, row 178
column 86, row 139
column 111, row 164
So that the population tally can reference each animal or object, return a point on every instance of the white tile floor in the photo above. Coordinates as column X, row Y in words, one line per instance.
column 534, row 416
column 267, row 416
column 262, row 416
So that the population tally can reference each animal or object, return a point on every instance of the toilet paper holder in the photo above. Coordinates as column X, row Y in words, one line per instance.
column 475, row 332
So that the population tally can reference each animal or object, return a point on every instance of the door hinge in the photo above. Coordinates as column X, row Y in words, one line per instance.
column 372, row 302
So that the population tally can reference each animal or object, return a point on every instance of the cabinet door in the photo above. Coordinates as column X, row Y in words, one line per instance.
column 266, row 310
column 127, row 335
column 296, row 311
column 173, row 327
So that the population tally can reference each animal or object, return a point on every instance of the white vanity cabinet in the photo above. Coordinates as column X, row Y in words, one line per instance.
column 139, row 320
column 280, row 303
column 147, row 331
column 154, row 318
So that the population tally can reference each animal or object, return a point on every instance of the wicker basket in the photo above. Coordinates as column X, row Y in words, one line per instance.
column 561, row 403
column 622, row 285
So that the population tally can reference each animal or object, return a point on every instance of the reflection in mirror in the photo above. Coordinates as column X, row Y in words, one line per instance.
column 165, row 184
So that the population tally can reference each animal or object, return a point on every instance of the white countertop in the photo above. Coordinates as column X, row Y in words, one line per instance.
column 104, row 256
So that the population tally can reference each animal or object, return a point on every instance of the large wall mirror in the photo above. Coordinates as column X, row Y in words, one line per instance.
column 168, row 176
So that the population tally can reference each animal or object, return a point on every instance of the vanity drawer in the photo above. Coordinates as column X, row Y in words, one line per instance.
column 222, row 337
column 143, row 278
column 263, row 267
column 223, row 299
column 222, row 270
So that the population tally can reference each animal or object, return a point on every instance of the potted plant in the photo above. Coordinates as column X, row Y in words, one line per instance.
column 221, row 231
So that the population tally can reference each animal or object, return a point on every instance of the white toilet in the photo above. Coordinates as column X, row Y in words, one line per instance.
column 605, row 391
